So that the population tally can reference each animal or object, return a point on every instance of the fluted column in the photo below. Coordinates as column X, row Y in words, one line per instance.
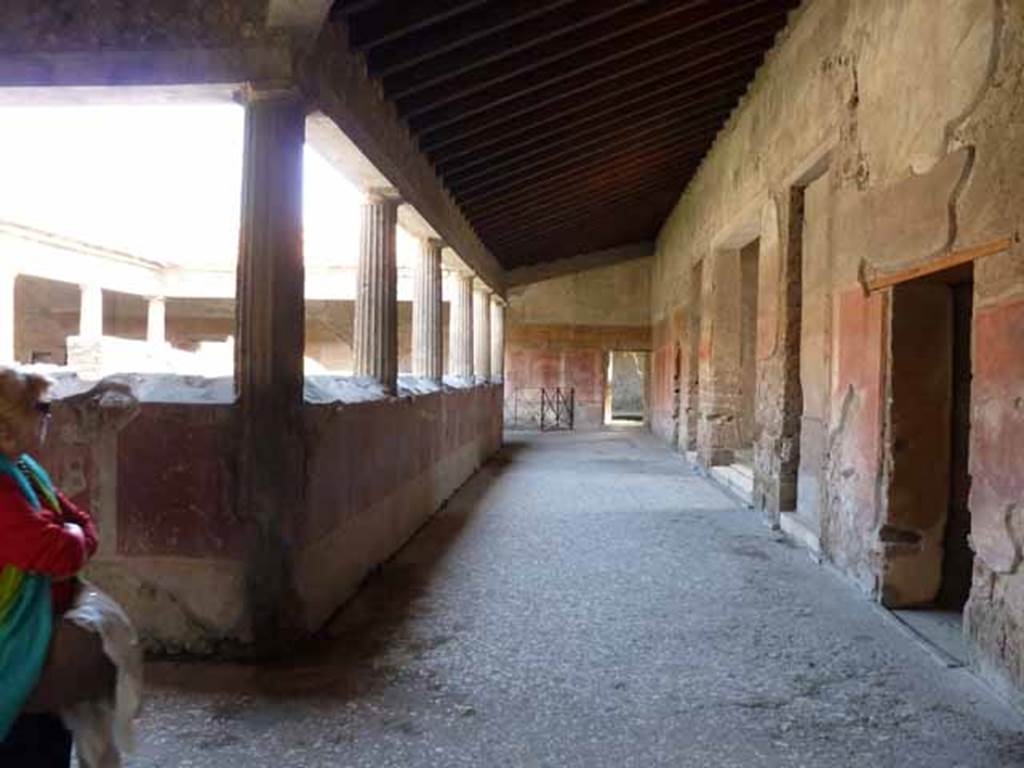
column 497, row 339
column 427, row 306
column 268, row 360
column 376, row 322
column 90, row 320
column 7, row 323
column 460, row 328
column 156, row 321
column 481, row 332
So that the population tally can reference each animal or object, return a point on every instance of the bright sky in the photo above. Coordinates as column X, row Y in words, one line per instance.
column 162, row 182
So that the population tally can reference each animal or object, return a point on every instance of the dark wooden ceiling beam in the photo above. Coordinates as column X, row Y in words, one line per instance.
column 695, row 139
column 650, row 209
column 668, row 173
column 529, row 204
column 343, row 8
column 610, row 38
column 594, row 180
column 584, row 20
column 524, row 129
column 645, row 213
column 579, row 167
column 390, row 21
column 467, row 33
column 628, row 128
column 437, row 107
column 663, row 185
column 560, row 131
column 581, row 239
column 690, row 65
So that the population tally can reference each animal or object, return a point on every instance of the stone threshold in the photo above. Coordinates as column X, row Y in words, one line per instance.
column 801, row 531
column 738, row 478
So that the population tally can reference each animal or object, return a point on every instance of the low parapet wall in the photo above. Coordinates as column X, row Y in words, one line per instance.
column 161, row 476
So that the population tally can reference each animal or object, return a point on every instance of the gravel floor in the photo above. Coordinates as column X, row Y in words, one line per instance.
column 586, row 600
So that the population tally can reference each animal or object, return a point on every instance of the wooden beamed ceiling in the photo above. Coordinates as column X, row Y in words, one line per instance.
column 563, row 126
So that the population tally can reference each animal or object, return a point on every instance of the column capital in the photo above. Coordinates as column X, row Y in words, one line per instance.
column 381, row 195
column 269, row 90
column 481, row 287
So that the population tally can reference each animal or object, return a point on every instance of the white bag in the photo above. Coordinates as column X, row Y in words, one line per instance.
column 104, row 729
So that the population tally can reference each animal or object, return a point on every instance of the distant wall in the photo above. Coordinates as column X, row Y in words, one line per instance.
column 559, row 333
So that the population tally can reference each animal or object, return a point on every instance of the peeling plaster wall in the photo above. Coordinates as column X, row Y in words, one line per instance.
column 160, row 479
column 558, row 333
column 906, row 120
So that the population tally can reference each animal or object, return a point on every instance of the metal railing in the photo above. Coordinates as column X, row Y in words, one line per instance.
column 544, row 408
column 557, row 409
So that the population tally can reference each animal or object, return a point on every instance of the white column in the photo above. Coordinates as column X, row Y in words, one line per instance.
column 376, row 320
column 156, row 321
column 427, row 313
column 7, row 325
column 497, row 340
column 460, row 327
column 481, row 331
column 90, row 324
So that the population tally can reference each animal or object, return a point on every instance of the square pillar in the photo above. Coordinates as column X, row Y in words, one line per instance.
column 90, row 320
column 7, row 324
column 268, row 364
column 156, row 321
column 481, row 331
column 376, row 320
column 497, row 340
column 460, row 328
column 427, row 313
column 718, row 430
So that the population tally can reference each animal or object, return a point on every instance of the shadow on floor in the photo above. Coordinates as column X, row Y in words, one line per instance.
column 356, row 652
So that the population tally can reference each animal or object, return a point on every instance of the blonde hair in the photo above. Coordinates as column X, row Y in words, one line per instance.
column 19, row 392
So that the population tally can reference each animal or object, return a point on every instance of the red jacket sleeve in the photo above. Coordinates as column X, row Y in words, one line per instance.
column 31, row 542
column 77, row 515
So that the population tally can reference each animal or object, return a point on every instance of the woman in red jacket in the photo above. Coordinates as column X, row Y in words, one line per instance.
column 42, row 536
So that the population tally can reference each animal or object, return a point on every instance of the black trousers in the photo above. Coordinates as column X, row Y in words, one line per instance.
column 36, row 741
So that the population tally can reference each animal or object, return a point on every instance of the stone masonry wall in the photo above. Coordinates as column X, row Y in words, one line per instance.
column 897, row 125
column 159, row 477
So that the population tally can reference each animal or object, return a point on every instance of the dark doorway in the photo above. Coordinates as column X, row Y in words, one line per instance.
column 692, row 411
column 929, row 422
column 747, row 420
column 958, row 558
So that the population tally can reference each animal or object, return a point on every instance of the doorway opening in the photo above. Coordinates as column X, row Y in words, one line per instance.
column 803, row 489
column 743, row 453
column 926, row 535
column 677, row 390
column 692, row 411
column 627, row 388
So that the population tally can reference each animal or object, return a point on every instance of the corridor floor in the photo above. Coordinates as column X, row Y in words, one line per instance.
column 586, row 600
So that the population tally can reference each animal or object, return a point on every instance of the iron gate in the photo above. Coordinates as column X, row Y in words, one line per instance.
column 557, row 409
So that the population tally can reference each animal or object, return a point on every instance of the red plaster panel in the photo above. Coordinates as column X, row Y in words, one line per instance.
column 360, row 454
column 997, row 433
column 545, row 369
column 857, row 426
column 173, row 470
column 583, row 372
